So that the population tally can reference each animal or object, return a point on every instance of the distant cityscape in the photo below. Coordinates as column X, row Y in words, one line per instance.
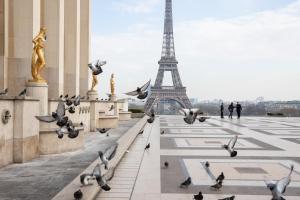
column 257, row 107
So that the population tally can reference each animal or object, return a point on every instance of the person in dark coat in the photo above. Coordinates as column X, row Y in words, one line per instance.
column 230, row 109
column 222, row 110
column 238, row 109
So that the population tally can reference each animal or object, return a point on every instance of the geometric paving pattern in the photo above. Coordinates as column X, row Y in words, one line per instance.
column 266, row 149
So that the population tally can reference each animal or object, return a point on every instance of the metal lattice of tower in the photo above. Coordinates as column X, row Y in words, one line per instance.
column 168, row 62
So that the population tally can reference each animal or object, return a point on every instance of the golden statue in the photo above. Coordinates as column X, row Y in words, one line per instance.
column 38, row 59
column 95, row 82
column 112, row 85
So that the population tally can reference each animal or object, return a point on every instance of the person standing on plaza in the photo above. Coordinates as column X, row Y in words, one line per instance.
column 230, row 109
column 222, row 110
column 238, row 110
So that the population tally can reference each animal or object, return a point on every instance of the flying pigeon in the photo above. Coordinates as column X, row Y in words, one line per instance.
column 4, row 92
column 58, row 116
column 190, row 115
column 147, row 146
column 76, row 100
column 71, row 109
column 278, row 188
column 102, row 130
column 151, row 115
column 140, row 92
column 23, row 93
column 78, row 195
column 108, row 154
column 230, row 146
column 102, row 179
column 186, row 183
column 96, row 66
column 61, row 131
column 198, row 196
column 217, row 186
column 221, row 177
column 228, row 198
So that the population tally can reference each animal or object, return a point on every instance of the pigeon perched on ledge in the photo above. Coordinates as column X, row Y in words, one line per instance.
column 4, row 92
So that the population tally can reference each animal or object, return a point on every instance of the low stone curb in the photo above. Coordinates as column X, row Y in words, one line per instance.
column 90, row 192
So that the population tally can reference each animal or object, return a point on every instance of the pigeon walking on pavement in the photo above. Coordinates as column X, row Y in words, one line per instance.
column 221, row 177
column 198, row 196
column 102, row 130
column 228, row 198
column 78, row 195
column 147, row 146
column 186, row 183
column 217, row 186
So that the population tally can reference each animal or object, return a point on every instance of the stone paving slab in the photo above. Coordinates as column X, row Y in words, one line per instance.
column 44, row 177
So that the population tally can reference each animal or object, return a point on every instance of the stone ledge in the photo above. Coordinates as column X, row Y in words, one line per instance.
column 90, row 192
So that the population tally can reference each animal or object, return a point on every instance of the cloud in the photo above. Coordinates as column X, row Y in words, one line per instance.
column 137, row 6
column 238, row 58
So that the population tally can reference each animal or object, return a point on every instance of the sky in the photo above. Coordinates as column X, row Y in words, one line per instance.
column 227, row 49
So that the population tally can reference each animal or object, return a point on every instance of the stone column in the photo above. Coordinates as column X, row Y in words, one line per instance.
column 2, row 24
column 85, row 44
column 52, row 18
column 24, row 25
column 72, row 47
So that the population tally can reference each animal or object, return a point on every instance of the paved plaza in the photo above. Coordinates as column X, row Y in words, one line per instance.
column 266, row 149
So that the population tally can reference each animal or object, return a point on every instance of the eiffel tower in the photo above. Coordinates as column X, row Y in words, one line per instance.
column 168, row 62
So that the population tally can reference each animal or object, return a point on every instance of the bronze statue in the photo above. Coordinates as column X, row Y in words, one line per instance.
column 38, row 59
column 112, row 85
column 94, row 82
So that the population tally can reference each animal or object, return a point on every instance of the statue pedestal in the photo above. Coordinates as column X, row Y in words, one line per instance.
column 39, row 91
column 113, row 98
column 92, row 95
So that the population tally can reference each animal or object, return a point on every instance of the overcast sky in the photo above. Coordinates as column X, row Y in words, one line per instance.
column 227, row 49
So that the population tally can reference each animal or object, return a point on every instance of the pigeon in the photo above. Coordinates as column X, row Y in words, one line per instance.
column 23, row 93
column 141, row 131
column 85, row 179
column 78, row 195
column 76, row 100
column 66, row 96
column 217, row 186
column 108, row 154
column 4, row 92
column 102, row 130
column 140, row 92
column 71, row 109
column 102, row 179
column 96, row 66
column 228, row 198
column 186, row 183
column 72, row 132
column 221, row 177
column 278, row 188
column 151, row 119
column 61, row 96
column 162, row 132
column 230, row 146
column 61, row 131
column 111, row 107
column 190, row 115
column 198, row 196
column 58, row 116
column 109, row 96
column 166, row 164
column 206, row 164
column 147, row 146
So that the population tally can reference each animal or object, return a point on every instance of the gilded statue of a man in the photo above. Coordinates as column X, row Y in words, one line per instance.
column 94, row 82
column 38, row 58
column 112, row 85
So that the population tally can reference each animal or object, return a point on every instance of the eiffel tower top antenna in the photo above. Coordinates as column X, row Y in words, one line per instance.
column 168, row 48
